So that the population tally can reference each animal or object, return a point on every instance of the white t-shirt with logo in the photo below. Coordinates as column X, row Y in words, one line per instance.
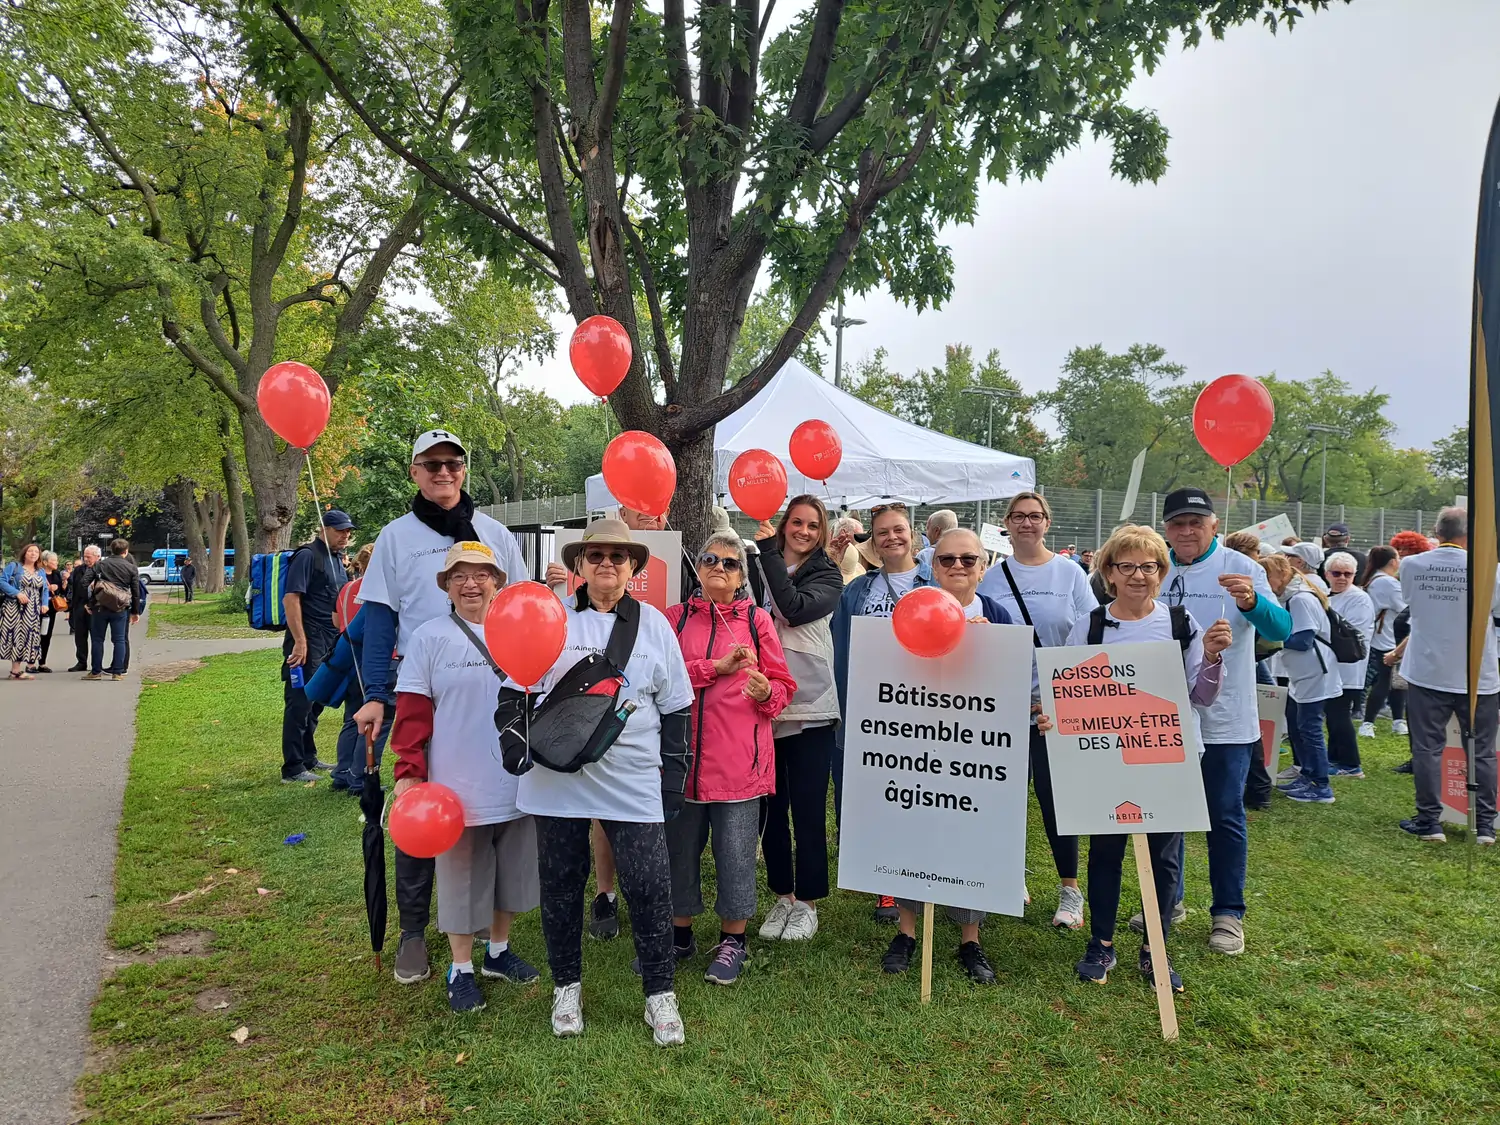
column 1312, row 675
column 464, row 754
column 1385, row 593
column 1057, row 594
column 1355, row 607
column 1235, row 715
column 626, row 783
column 886, row 590
column 404, row 567
column 1156, row 626
column 1436, row 587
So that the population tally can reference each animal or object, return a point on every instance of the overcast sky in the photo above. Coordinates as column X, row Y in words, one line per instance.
column 1318, row 213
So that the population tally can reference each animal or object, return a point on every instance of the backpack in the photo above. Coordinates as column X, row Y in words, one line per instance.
column 267, row 587
column 1345, row 641
column 109, row 596
column 1182, row 626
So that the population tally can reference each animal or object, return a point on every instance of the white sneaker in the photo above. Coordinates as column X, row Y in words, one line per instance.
column 1399, row 727
column 1485, row 841
column 1069, row 914
column 663, row 1019
column 774, row 927
column 1366, row 730
column 567, row 1010
column 802, row 924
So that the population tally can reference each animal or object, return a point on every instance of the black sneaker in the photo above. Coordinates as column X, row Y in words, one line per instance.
column 680, row 952
column 1432, row 833
column 508, row 967
column 897, row 958
column 1404, row 767
column 886, row 912
column 1144, row 965
column 604, row 922
column 1097, row 961
column 976, row 964
column 464, row 994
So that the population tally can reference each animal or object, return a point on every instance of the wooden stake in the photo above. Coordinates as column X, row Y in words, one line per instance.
column 1166, row 1004
column 927, row 953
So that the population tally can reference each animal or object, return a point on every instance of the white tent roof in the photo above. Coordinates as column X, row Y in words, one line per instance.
column 884, row 457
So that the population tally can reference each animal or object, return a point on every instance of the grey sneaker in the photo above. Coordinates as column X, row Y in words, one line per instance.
column 411, row 959
column 301, row 779
column 1291, row 773
column 664, row 1020
column 1069, row 914
column 1138, row 920
column 320, row 764
column 1227, row 935
column 728, row 960
column 775, row 924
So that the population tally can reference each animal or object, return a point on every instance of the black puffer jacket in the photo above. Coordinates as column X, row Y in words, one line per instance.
column 801, row 598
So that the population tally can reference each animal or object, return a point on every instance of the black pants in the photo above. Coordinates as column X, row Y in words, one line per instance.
column 49, row 623
column 1430, row 712
column 299, row 717
column 414, row 878
column 1343, row 743
column 80, row 626
column 1106, row 860
column 645, row 877
column 1378, row 684
column 187, row 591
column 799, row 807
column 1064, row 848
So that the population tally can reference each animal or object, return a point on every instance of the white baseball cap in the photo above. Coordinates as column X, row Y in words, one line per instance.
column 435, row 437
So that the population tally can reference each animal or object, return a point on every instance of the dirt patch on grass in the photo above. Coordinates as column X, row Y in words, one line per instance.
column 187, row 943
column 214, row 1000
column 171, row 670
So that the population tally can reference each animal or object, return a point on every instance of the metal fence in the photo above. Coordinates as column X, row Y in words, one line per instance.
column 1081, row 516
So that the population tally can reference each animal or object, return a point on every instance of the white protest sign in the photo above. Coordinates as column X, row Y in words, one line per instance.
column 1273, row 530
column 1122, row 749
column 935, row 760
column 660, row 583
column 1271, row 700
column 991, row 538
column 1454, row 793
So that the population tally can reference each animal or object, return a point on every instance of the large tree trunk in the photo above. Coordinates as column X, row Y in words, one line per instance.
column 234, row 489
column 695, row 489
column 181, row 494
column 273, row 482
column 209, row 520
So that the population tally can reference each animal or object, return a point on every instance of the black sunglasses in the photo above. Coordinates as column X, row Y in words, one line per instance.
column 968, row 562
column 596, row 556
column 708, row 561
column 453, row 465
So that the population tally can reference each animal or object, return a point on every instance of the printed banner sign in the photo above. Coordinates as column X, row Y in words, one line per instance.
column 1274, row 530
column 935, row 763
column 1272, row 701
column 1122, row 752
column 660, row 583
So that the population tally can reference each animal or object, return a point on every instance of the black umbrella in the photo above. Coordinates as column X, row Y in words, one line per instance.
column 372, row 804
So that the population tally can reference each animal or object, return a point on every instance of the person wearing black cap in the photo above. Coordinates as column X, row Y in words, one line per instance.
column 1336, row 538
column 1214, row 582
column 314, row 577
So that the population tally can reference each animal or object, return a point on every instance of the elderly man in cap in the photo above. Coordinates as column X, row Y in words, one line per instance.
column 1213, row 581
column 1336, row 538
column 400, row 594
column 314, row 577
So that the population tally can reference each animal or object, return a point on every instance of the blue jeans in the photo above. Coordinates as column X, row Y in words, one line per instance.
column 1225, row 766
column 349, row 773
column 1304, row 722
column 118, row 626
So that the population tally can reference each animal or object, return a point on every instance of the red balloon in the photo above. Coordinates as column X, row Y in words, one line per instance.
column 426, row 820
column 1232, row 416
column 345, row 608
column 929, row 622
column 816, row 449
column 757, row 482
column 524, row 630
column 640, row 473
column 600, row 353
column 293, row 399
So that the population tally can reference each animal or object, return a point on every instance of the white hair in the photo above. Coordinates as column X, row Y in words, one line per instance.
column 940, row 522
column 95, row 548
column 733, row 542
column 848, row 526
column 1341, row 556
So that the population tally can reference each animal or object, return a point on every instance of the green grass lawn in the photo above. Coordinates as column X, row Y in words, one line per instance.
column 1368, row 991
column 201, row 619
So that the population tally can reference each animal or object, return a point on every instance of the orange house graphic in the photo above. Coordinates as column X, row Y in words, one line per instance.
column 1152, row 736
column 1128, row 813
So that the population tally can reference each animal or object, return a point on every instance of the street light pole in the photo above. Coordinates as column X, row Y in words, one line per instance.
column 993, row 394
column 840, row 322
column 1319, row 428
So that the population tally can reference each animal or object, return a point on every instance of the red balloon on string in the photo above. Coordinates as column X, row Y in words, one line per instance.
column 929, row 622
column 639, row 472
column 345, row 608
column 757, row 483
column 600, row 353
column 426, row 820
column 293, row 399
column 816, row 449
column 1232, row 416
column 524, row 629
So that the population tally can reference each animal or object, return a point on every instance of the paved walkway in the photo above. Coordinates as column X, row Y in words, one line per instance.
column 64, row 746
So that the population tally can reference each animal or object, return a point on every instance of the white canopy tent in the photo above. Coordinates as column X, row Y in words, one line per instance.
column 884, row 457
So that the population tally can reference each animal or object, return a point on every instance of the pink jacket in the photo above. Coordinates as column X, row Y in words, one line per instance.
column 734, row 758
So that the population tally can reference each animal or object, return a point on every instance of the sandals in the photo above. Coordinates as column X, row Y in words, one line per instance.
column 22, row 676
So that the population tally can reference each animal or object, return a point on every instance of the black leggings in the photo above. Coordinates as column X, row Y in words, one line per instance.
column 1378, row 684
column 1064, row 848
column 1107, row 858
column 414, row 876
column 1343, row 743
column 645, row 876
column 799, row 807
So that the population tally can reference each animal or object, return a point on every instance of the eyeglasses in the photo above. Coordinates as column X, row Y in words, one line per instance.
column 475, row 579
column 710, row 561
column 452, row 464
column 598, row 557
column 1149, row 569
column 1339, row 573
column 1026, row 517
column 1177, row 591
column 948, row 562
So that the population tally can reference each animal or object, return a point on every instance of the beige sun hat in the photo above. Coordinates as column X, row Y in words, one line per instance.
column 601, row 533
column 469, row 551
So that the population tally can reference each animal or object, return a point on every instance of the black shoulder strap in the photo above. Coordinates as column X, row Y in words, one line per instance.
column 754, row 632
column 1096, row 626
column 1015, row 592
column 1182, row 626
column 622, row 635
column 477, row 643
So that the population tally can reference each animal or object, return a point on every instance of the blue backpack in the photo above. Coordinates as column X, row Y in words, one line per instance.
column 267, row 586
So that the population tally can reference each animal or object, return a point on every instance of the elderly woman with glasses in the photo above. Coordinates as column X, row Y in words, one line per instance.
column 1133, row 562
column 958, row 565
column 741, row 683
column 632, row 790
column 1355, row 606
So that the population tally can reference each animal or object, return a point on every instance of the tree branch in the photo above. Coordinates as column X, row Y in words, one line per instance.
column 614, row 70
column 299, row 132
column 216, row 374
column 663, row 347
column 208, row 312
column 675, row 36
column 742, row 79
column 812, row 83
